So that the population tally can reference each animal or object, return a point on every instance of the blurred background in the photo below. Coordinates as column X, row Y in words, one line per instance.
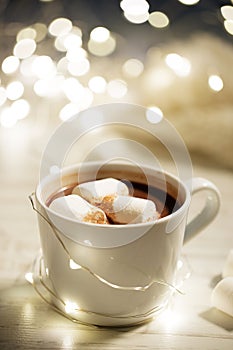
column 58, row 57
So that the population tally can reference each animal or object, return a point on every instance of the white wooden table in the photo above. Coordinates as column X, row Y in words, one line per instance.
column 27, row 322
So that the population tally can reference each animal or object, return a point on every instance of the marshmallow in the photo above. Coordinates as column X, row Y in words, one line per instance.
column 75, row 207
column 125, row 209
column 95, row 191
column 228, row 266
column 222, row 296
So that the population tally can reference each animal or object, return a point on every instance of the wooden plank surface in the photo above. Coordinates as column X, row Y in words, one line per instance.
column 27, row 322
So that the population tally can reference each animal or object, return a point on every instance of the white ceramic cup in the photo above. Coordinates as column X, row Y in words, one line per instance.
column 116, row 275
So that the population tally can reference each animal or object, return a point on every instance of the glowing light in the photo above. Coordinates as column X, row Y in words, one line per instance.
column 29, row 277
column 43, row 67
column 117, row 88
column 137, row 19
column 102, row 48
column 189, row 2
column 54, row 169
column 74, row 266
column 229, row 26
column 8, row 118
column 72, row 89
column 3, row 95
column 227, row 12
column 97, row 84
column 26, row 33
column 180, row 65
column 26, row 66
column 62, row 65
column 41, row 31
column 76, row 54
column 71, row 307
column 72, row 40
column 20, row 108
column 154, row 115
column 68, row 111
column 14, row 90
column 170, row 319
column 135, row 7
column 215, row 83
column 79, row 68
column 60, row 26
column 10, row 64
column 158, row 19
column 49, row 87
column 69, row 41
column 133, row 68
column 24, row 48
column 100, row 34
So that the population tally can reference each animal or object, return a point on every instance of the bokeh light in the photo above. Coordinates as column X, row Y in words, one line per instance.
column 215, row 82
column 26, row 33
column 180, row 65
column 133, row 68
column 10, row 64
column 227, row 12
column 117, row 88
column 24, row 48
column 189, row 2
column 100, row 34
column 228, row 24
column 3, row 96
column 60, row 26
column 14, row 90
column 21, row 108
column 97, row 84
column 158, row 19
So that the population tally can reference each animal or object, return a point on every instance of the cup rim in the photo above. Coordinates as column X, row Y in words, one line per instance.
column 69, row 169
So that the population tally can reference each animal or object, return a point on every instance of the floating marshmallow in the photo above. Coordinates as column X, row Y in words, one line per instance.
column 75, row 207
column 228, row 266
column 126, row 209
column 95, row 191
column 222, row 296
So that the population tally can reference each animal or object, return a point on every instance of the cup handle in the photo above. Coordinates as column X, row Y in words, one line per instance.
column 208, row 212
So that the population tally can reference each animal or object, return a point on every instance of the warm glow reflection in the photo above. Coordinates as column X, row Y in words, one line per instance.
column 180, row 65
column 29, row 277
column 215, row 83
column 10, row 64
column 158, row 19
column 133, row 68
column 100, row 34
column 71, row 307
column 117, row 88
column 97, row 84
column 24, row 48
column 74, row 266
column 60, row 26
column 14, row 90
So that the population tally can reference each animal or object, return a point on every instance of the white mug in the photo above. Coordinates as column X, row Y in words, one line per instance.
column 114, row 275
